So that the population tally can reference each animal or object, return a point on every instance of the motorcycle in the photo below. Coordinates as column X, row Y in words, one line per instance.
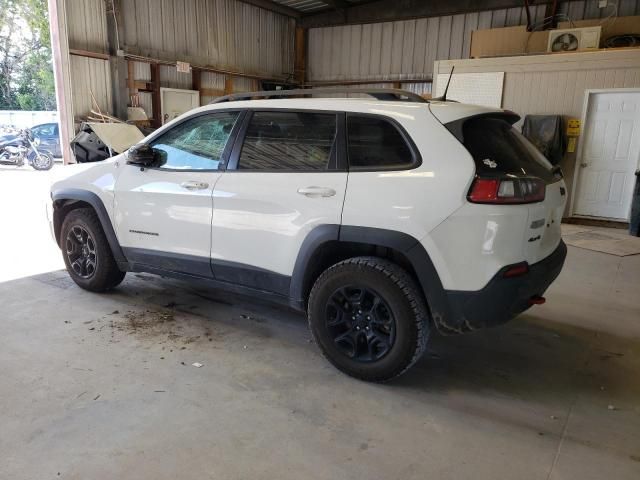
column 14, row 151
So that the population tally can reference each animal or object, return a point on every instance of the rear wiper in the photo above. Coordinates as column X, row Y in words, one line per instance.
column 557, row 172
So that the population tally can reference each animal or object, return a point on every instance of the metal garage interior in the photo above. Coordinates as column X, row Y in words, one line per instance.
column 104, row 386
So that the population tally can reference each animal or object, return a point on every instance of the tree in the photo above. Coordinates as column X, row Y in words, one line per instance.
column 26, row 69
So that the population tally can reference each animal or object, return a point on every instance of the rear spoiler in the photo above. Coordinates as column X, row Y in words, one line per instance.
column 455, row 127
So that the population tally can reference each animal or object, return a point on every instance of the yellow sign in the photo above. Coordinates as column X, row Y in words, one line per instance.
column 571, row 145
column 573, row 127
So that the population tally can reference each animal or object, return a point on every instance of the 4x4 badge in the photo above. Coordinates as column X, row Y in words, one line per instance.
column 489, row 163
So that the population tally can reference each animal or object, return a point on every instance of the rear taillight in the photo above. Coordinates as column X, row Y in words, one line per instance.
column 507, row 190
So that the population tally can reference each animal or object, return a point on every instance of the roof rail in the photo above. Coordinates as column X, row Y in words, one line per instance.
column 391, row 94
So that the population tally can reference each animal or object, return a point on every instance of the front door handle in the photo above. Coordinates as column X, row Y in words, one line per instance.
column 193, row 185
column 315, row 192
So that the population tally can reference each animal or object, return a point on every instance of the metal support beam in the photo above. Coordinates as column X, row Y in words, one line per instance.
column 386, row 10
column 274, row 7
column 117, row 62
column 300, row 51
column 62, row 74
column 155, row 95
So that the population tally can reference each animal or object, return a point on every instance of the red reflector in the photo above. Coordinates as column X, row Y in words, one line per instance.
column 516, row 271
column 537, row 300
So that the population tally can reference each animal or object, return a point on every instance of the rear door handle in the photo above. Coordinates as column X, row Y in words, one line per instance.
column 193, row 185
column 315, row 192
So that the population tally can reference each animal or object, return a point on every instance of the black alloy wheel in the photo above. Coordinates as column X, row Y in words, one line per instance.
column 361, row 323
column 81, row 252
column 369, row 318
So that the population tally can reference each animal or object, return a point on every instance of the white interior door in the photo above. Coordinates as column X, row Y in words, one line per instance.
column 610, row 155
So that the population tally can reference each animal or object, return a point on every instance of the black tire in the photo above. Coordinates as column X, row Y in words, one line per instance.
column 105, row 273
column 402, row 303
column 45, row 162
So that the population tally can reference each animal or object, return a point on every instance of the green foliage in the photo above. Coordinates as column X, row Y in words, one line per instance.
column 26, row 70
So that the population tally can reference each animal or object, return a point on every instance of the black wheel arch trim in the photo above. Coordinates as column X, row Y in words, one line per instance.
column 76, row 194
column 405, row 244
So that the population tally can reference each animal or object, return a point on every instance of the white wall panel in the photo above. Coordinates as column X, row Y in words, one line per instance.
column 552, row 84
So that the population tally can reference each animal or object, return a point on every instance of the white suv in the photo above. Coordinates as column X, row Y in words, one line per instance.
column 381, row 218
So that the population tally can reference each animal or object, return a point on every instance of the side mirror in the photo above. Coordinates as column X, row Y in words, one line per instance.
column 142, row 155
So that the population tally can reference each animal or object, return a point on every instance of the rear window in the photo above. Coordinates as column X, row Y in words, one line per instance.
column 498, row 149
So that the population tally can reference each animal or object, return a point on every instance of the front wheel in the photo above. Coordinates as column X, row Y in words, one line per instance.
column 87, row 253
column 369, row 318
column 43, row 161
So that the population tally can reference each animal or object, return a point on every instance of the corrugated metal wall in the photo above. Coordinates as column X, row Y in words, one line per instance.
column 87, row 29
column 222, row 33
column 90, row 76
column 226, row 34
column 171, row 78
column 87, row 24
column 407, row 49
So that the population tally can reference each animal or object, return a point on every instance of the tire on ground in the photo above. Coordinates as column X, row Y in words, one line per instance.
column 107, row 275
column 400, row 292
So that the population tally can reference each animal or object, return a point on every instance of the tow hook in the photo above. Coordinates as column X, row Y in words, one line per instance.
column 537, row 300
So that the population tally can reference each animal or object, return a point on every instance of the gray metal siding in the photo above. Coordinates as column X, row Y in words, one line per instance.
column 87, row 25
column 408, row 48
column 90, row 76
column 224, row 33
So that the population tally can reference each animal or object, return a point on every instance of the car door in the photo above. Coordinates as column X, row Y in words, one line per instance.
column 284, row 179
column 163, row 213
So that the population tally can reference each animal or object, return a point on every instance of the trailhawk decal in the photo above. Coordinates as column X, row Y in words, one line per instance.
column 154, row 234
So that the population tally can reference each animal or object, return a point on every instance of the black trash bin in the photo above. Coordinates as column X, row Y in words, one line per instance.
column 634, row 221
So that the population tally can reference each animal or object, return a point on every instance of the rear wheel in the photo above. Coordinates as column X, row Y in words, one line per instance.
column 369, row 318
column 87, row 253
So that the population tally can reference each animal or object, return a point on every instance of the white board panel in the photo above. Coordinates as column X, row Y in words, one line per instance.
column 474, row 88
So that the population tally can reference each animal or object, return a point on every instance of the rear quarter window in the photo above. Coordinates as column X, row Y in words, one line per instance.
column 376, row 143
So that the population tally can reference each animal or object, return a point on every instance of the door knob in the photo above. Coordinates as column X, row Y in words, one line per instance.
column 584, row 165
column 315, row 192
column 193, row 185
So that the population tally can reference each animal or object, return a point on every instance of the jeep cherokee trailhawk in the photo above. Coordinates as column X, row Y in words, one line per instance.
column 380, row 217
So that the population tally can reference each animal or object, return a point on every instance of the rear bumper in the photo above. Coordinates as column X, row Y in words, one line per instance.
column 502, row 298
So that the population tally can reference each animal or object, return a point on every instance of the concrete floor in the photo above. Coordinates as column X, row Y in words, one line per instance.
column 102, row 386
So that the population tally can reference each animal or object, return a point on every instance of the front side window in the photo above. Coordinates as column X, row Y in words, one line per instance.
column 376, row 143
column 288, row 141
column 196, row 144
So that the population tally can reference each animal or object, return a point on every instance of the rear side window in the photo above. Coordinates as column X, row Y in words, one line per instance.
column 288, row 141
column 499, row 149
column 376, row 143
